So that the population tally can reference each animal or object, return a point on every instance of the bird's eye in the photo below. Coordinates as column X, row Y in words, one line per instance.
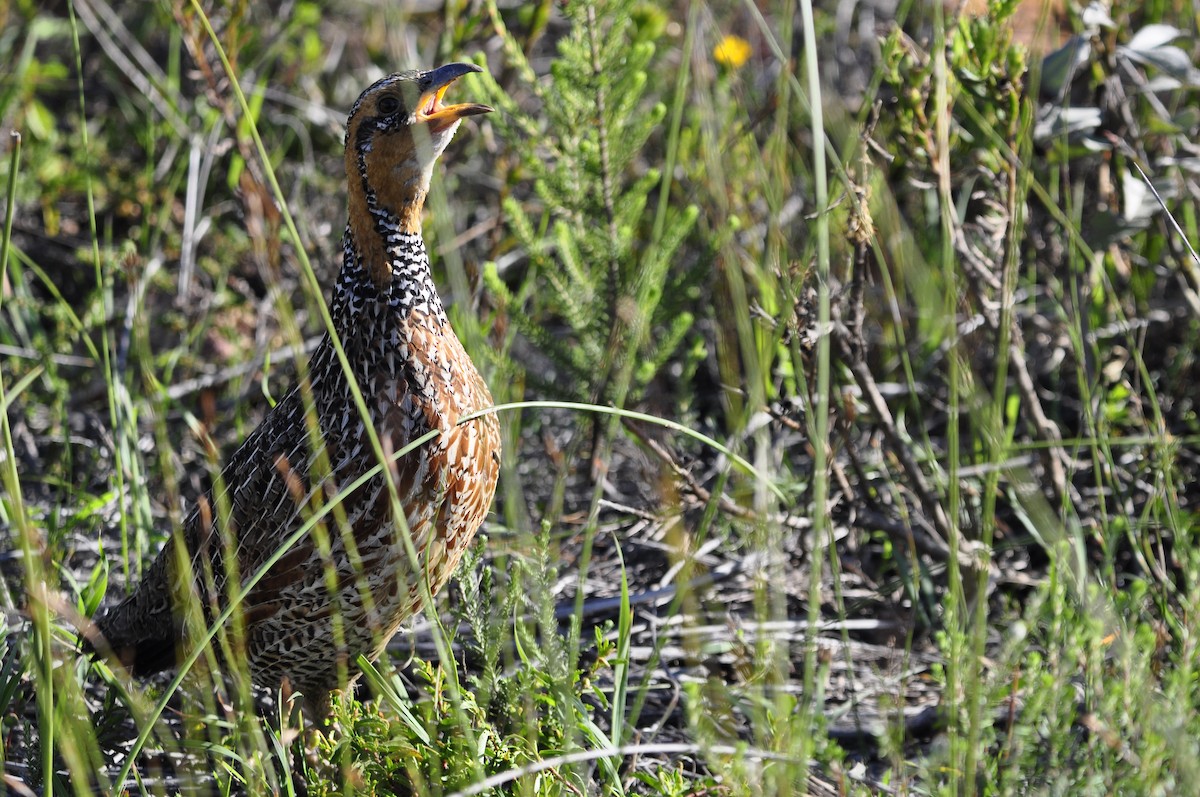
column 388, row 105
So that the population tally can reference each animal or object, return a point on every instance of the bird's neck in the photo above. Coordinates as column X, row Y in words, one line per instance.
column 385, row 205
column 385, row 275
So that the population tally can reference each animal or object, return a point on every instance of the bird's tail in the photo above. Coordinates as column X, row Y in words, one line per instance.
column 140, row 632
column 140, row 650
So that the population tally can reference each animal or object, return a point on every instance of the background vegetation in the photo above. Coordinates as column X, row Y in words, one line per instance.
column 939, row 290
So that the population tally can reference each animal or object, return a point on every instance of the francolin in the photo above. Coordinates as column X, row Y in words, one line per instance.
column 315, row 611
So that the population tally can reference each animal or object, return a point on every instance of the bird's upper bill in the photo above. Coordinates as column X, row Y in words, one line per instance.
column 434, row 83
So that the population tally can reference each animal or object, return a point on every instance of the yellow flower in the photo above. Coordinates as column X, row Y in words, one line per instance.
column 732, row 51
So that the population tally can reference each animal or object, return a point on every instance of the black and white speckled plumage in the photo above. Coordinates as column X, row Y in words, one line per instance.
column 414, row 375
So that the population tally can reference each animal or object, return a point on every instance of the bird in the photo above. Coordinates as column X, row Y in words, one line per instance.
column 343, row 589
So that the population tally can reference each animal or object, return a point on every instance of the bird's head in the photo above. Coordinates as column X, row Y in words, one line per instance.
column 396, row 130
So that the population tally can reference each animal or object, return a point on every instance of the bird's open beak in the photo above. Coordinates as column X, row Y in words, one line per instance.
column 434, row 83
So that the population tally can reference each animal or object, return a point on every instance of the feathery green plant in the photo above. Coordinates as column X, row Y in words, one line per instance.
column 602, row 250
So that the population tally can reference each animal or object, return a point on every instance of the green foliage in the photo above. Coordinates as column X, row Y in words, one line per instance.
column 1086, row 721
column 377, row 751
column 601, row 265
column 995, row 158
column 522, row 704
column 984, row 75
